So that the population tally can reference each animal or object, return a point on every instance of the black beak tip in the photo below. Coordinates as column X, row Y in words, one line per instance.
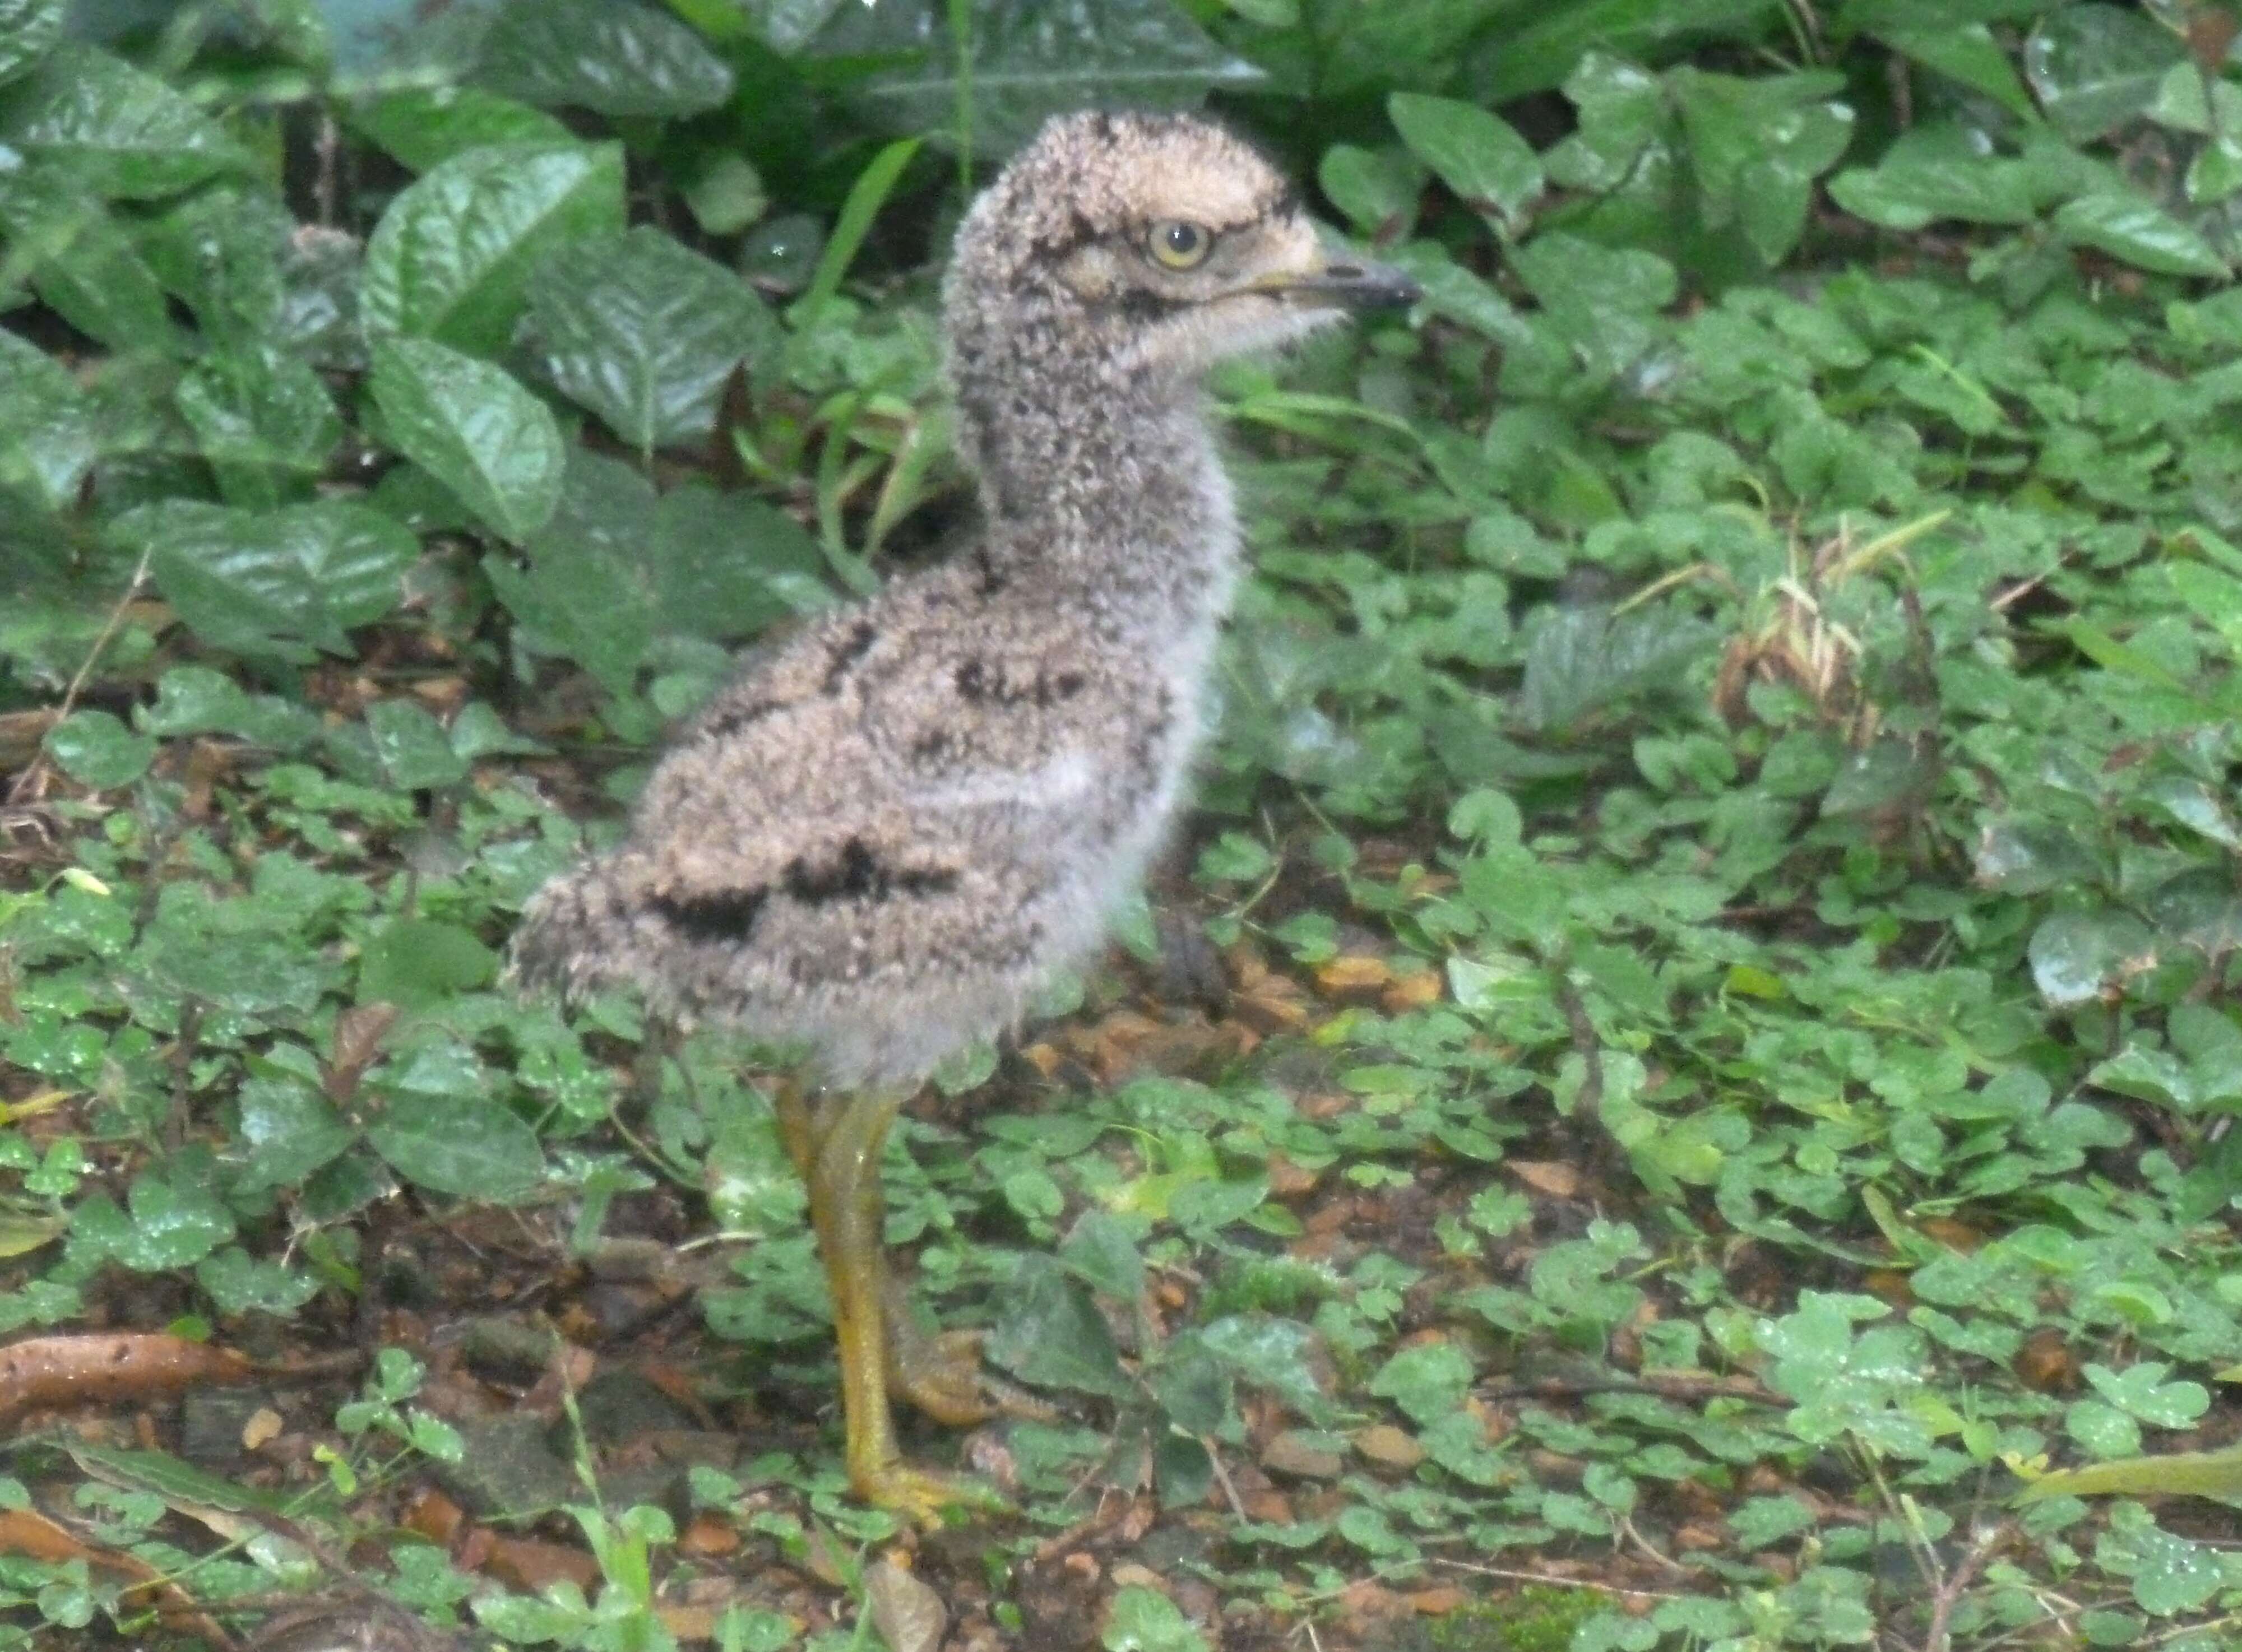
column 1373, row 286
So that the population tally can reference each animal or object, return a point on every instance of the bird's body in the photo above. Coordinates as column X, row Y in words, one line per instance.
column 879, row 839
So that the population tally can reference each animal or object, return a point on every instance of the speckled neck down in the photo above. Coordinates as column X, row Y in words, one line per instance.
column 883, row 835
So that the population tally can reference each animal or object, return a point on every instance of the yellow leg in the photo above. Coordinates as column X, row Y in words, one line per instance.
column 837, row 1149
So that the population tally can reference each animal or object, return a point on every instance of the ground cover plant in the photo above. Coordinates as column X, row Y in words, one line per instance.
column 1677, row 1092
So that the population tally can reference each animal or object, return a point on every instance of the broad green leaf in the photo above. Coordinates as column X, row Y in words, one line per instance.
column 1050, row 1333
column 1377, row 189
column 289, row 1130
column 725, row 565
column 617, row 57
column 195, row 700
column 1477, row 154
column 2216, row 1474
column 1964, row 52
column 117, row 131
column 47, row 432
column 1427, row 1381
column 1547, row 48
column 221, row 252
column 2074, row 954
column 644, row 333
column 2094, row 67
column 264, row 422
column 471, row 425
column 469, row 1147
column 98, row 749
column 2134, row 230
column 412, row 745
column 422, row 126
column 85, row 266
column 29, row 30
column 1031, row 59
column 417, row 963
column 1936, row 172
column 271, row 582
column 584, row 593
column 1144, row 1619
column 451, row 256
column 173, row 1225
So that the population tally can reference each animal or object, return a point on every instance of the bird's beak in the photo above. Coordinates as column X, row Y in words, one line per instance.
column 1350, row 286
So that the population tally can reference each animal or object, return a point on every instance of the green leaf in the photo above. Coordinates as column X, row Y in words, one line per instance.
column 725, row 565
column 85, row 267
column 1967, row 52
column 1936, row 172
column 1102, row 1252
column 220, row 253
column 583, row 594
column 468, row 1146
column 1144, row 1619
column 412, row 745
column 271, row 582
column 2133, row 228
column 417, row 963
column 264, row 422
column 1376, row 187
column 866, row 195
column 1427, row 1381
column 174, row 1225
column 422, row 126
column 29, row 30
column 1031, row 59
column 1546, row 50
column 1477, row 154
column 98, row 749
column 451, row 256
column 1051, row 1334
column 615, row 57
column 118, row 132
column 289, row 1130
column 644, row 333
column 471, row 425
column 2075, row 953
column 2094, row 67
column 47, row 433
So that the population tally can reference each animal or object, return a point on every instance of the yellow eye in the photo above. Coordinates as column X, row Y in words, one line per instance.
column 1178, row 244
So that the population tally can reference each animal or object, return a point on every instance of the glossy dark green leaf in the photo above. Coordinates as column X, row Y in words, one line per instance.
column 274, row 581
column 84, row 265
column 584, row 593
column 1757, row 144
column 1553, row 39
column 1581, row 660
column 289, row 1130
column 412, row 746
column 1932, row 173
column 1376, row 187
column 118, row 132
column 2094, row 67
column 196, row 699
column 2076, row 954
column 471, row 425
column 47, row 433
column 29, row 30
column 469, row 1147
column 1963, row 50
column 451, row 256
column 725, row 565
column 418, row 963
column 97, row 748
column 2135, row 230
column 1051, row 1334
column 1477, row 154
column 221, row 252
column 644, row 332
column 1101, row 1252
column 263, row 421
column 1031, row 59
column 422, row 126
column 618, row 57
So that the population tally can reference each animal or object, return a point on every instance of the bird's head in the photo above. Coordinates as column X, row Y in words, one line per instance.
column 1154, row 245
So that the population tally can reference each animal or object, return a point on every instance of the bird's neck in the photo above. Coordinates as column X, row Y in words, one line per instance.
column 1114, row 488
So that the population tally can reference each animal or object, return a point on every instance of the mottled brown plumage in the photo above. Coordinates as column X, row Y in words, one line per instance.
column 881, row 838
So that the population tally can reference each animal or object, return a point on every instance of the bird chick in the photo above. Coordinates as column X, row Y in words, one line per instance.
column 877, row 841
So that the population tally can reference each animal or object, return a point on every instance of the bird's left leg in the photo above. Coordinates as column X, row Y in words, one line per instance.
column 839, row 1146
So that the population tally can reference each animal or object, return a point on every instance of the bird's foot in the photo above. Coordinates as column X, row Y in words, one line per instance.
column 944, row 1377
column 920, row 1495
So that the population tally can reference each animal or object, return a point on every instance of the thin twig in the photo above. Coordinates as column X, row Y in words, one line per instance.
column 36, row 768
column 1551, row 1581
column 1948, row 1595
